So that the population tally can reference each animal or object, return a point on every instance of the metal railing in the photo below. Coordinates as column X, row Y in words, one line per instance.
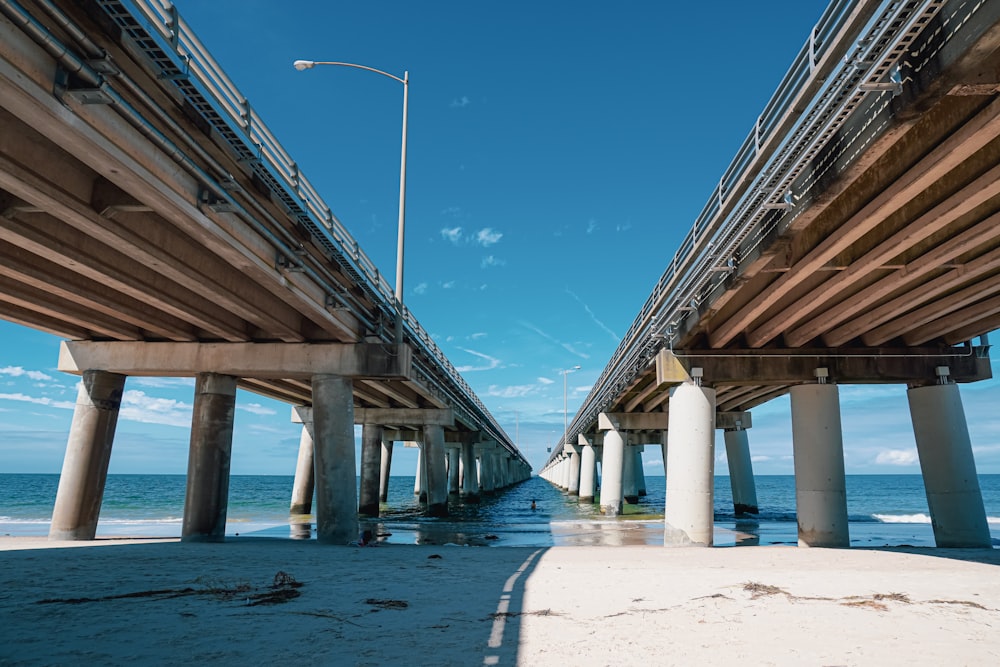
column 854, row 42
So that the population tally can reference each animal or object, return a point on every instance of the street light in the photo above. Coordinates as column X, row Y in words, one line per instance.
column 309, row 64
column 565, row 411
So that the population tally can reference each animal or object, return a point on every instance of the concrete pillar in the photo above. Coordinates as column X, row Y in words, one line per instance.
column 385, row 468
column 689, row 515
column 88, row 453
column 207, row 498
column 640, row 474
column 305, row 470
column 818, row 451
column 588, row 473
column 574, row 472
column 470, row 480
column 371, row 469
column 420, row 478
column 630, row 489
column 486, row 483
column 453, row 469
column 611, row 473
column 437, row 480
column 741, row 472
column 336, row 483
column 949, row 469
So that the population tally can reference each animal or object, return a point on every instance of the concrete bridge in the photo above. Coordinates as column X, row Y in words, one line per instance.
column 149, row 217
column 855, row 238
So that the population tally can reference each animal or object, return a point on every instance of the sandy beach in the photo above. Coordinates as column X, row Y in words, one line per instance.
column 260, row 601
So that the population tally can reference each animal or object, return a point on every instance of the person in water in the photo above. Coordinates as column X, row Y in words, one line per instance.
column 533, row 505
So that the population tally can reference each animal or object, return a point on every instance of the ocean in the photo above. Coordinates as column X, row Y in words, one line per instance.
column 884, row 510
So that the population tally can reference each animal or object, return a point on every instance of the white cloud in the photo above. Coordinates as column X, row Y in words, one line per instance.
column 897, row 457
column 513, row 391
column 453, row 234
column 545, row 381
column 138, row 407
column 17, row 371
column 491, row 362
column 478, row 335
column 566, row 346
column 38, row 400
column 488, row 236
column 420, row 289
column 256, row 409
column 448, row 285
column 591, row 226
column 593, row 317
column 161, row 382
column 460, row 102
column 623, row 227
column 490, row 260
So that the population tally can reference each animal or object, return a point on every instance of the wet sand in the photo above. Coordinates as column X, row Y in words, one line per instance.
column 264, row 601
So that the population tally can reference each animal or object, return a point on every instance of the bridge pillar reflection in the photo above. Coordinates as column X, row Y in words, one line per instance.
column 88, row 453
column 689, row 511
column 336, row 484
column 949, row 469
column 371, row 470
column 206, row 501
column 305, row 471
column 818, row 452
column 588, row 471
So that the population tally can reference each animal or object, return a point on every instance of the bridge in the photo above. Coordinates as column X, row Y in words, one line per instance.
column 855, row 238
column 150, row 218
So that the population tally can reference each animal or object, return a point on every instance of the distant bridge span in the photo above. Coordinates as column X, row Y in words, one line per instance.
column 148, row 215
column 855, row 238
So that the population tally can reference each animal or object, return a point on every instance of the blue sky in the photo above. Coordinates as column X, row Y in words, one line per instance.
column 558, row 153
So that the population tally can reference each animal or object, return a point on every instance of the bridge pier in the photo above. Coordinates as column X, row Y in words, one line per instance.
column 630, row 484
column 420, row 478
column 371, row 470
column 88, row 453
column 612, row 470
column 470, row 478
column 336, row 484
column 305, row 471
column 206, row 501
column 949, row 469
column 573, row 469
column 454, row 478
column 741, row 479
column 818, row 452
column 385, row 467
column 640, row 474
column 437, row 480
column 588, row 472
column 689, row 512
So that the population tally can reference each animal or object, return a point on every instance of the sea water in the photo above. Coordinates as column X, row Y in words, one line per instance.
column 883, row 510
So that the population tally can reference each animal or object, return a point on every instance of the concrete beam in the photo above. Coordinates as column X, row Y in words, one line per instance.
column 632, row 421
column 845, row 366
column 733, row 420
column 261, row 360
column 404, row 417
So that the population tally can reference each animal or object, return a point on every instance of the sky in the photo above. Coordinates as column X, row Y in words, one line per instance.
column 558, row 152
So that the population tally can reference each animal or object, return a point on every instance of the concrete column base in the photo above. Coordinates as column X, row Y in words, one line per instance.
column 305, row 471
column 689, row 515
column 437, row 478
column 371, row 465
column 612, row 471
column 336, row 481
column 741, row 479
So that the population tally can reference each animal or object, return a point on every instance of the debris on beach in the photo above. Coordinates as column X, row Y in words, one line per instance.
column 387, row 604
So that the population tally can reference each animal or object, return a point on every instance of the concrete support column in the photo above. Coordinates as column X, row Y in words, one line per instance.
column 453, row 469
column 336, row 484
column 385, row 468
column 574, row 472
column 640, row 474
column 818, row 451
column 437, row 479
column 689, row 517
column 420, row 478
column 949, row 469
column 305, row 470
column 611, row 473
column 486, row 483
column 741, row 472
column 630, row 488
column 371, row 469
column 470, row 480
column 207, row 499
column 88, row 453
column 588, row 473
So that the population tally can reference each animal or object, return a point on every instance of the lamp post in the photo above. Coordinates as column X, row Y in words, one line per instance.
column 309, row 64
column 565, row 411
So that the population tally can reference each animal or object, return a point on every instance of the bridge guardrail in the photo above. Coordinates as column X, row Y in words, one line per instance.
column 170, row 27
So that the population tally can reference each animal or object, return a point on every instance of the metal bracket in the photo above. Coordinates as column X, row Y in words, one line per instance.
column 213, row 203
column 64, row 87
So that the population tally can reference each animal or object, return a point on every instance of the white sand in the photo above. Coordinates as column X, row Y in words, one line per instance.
column 561, row 606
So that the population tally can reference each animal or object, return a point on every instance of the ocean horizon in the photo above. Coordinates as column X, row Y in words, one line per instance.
column 883, row 510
